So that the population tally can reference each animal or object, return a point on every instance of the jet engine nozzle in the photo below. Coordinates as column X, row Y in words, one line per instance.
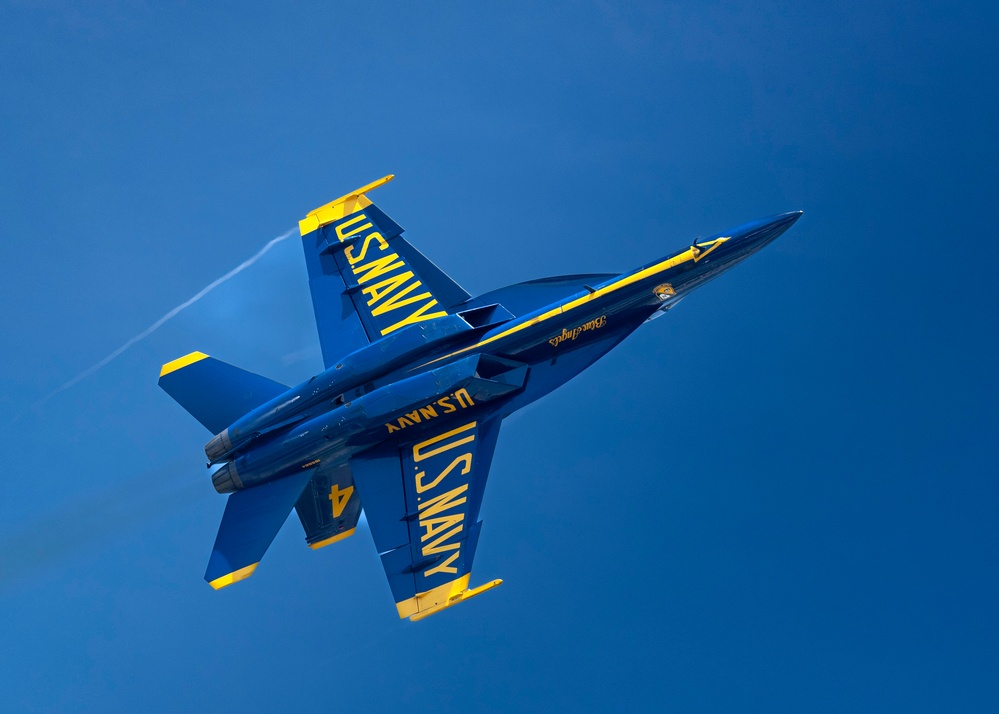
column 219, row 446
column 226, row 479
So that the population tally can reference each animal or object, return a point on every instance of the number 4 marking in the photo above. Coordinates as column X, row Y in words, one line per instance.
column 340, row 498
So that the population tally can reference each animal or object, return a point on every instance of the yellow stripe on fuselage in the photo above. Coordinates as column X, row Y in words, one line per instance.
column 689, row 254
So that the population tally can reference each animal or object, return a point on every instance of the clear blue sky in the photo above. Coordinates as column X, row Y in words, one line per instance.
column 780, row 497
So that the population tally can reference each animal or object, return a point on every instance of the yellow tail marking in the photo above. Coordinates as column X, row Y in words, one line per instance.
column 341, row 207
column 339, row 536
column 234, row 577
column 182, row 362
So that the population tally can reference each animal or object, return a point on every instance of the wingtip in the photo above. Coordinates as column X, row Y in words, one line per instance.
column 340, row 207
column 441, row 598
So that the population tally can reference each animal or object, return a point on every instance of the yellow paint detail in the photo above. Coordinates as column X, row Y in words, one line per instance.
column 465, row 459
column 234, row 577
column 429, row 411
column 418, row 316
column 700, row 253
column 694, row 253
column 339, row 536
column 385, row 287
column 577, row 331
column 182, row 362
column 399, row 299
column 420, row 455
column 444, row 567
column 341, row 207
column 441, row 598
column 437, row 546
column 433, row 598
column 343, row 234
column 433, row 526
column 442, row 502
column 340, row 498
column 377, row 267
column 349, row 250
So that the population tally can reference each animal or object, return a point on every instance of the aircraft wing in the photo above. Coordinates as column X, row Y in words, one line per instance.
column 366, row 279
column 422, row 503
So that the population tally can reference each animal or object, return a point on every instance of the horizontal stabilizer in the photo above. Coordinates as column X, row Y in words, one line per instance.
column 251, row 520
column 215, row 393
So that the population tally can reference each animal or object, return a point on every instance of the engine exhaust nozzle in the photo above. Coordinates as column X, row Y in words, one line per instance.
column 226, row 479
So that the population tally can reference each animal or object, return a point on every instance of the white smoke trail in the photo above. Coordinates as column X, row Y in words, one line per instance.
column 159, row 323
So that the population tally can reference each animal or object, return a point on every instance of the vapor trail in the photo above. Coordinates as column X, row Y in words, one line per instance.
column 173, row 313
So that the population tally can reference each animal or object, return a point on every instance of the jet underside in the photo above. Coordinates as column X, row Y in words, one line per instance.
column 404, row 420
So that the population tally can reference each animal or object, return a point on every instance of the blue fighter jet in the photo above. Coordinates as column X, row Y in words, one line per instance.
column 419, row 376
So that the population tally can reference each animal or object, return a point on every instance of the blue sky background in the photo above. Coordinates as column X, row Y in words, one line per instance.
column 780, row 497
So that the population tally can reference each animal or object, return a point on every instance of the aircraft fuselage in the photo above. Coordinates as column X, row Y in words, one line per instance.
column 433, row 370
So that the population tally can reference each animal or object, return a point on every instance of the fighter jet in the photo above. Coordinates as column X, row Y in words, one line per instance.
column 419, row 375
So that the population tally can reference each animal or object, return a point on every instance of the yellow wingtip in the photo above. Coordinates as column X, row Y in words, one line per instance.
column 182, row 362
column 234, row 577
column 339, row 536
column 340, row 207
column 440, row 598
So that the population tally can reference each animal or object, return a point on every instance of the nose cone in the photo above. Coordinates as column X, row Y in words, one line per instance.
column 726, row 249
column 717, row 254
column 750, row 237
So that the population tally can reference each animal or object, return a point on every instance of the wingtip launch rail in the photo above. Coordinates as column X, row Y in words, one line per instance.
column 339, row 208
